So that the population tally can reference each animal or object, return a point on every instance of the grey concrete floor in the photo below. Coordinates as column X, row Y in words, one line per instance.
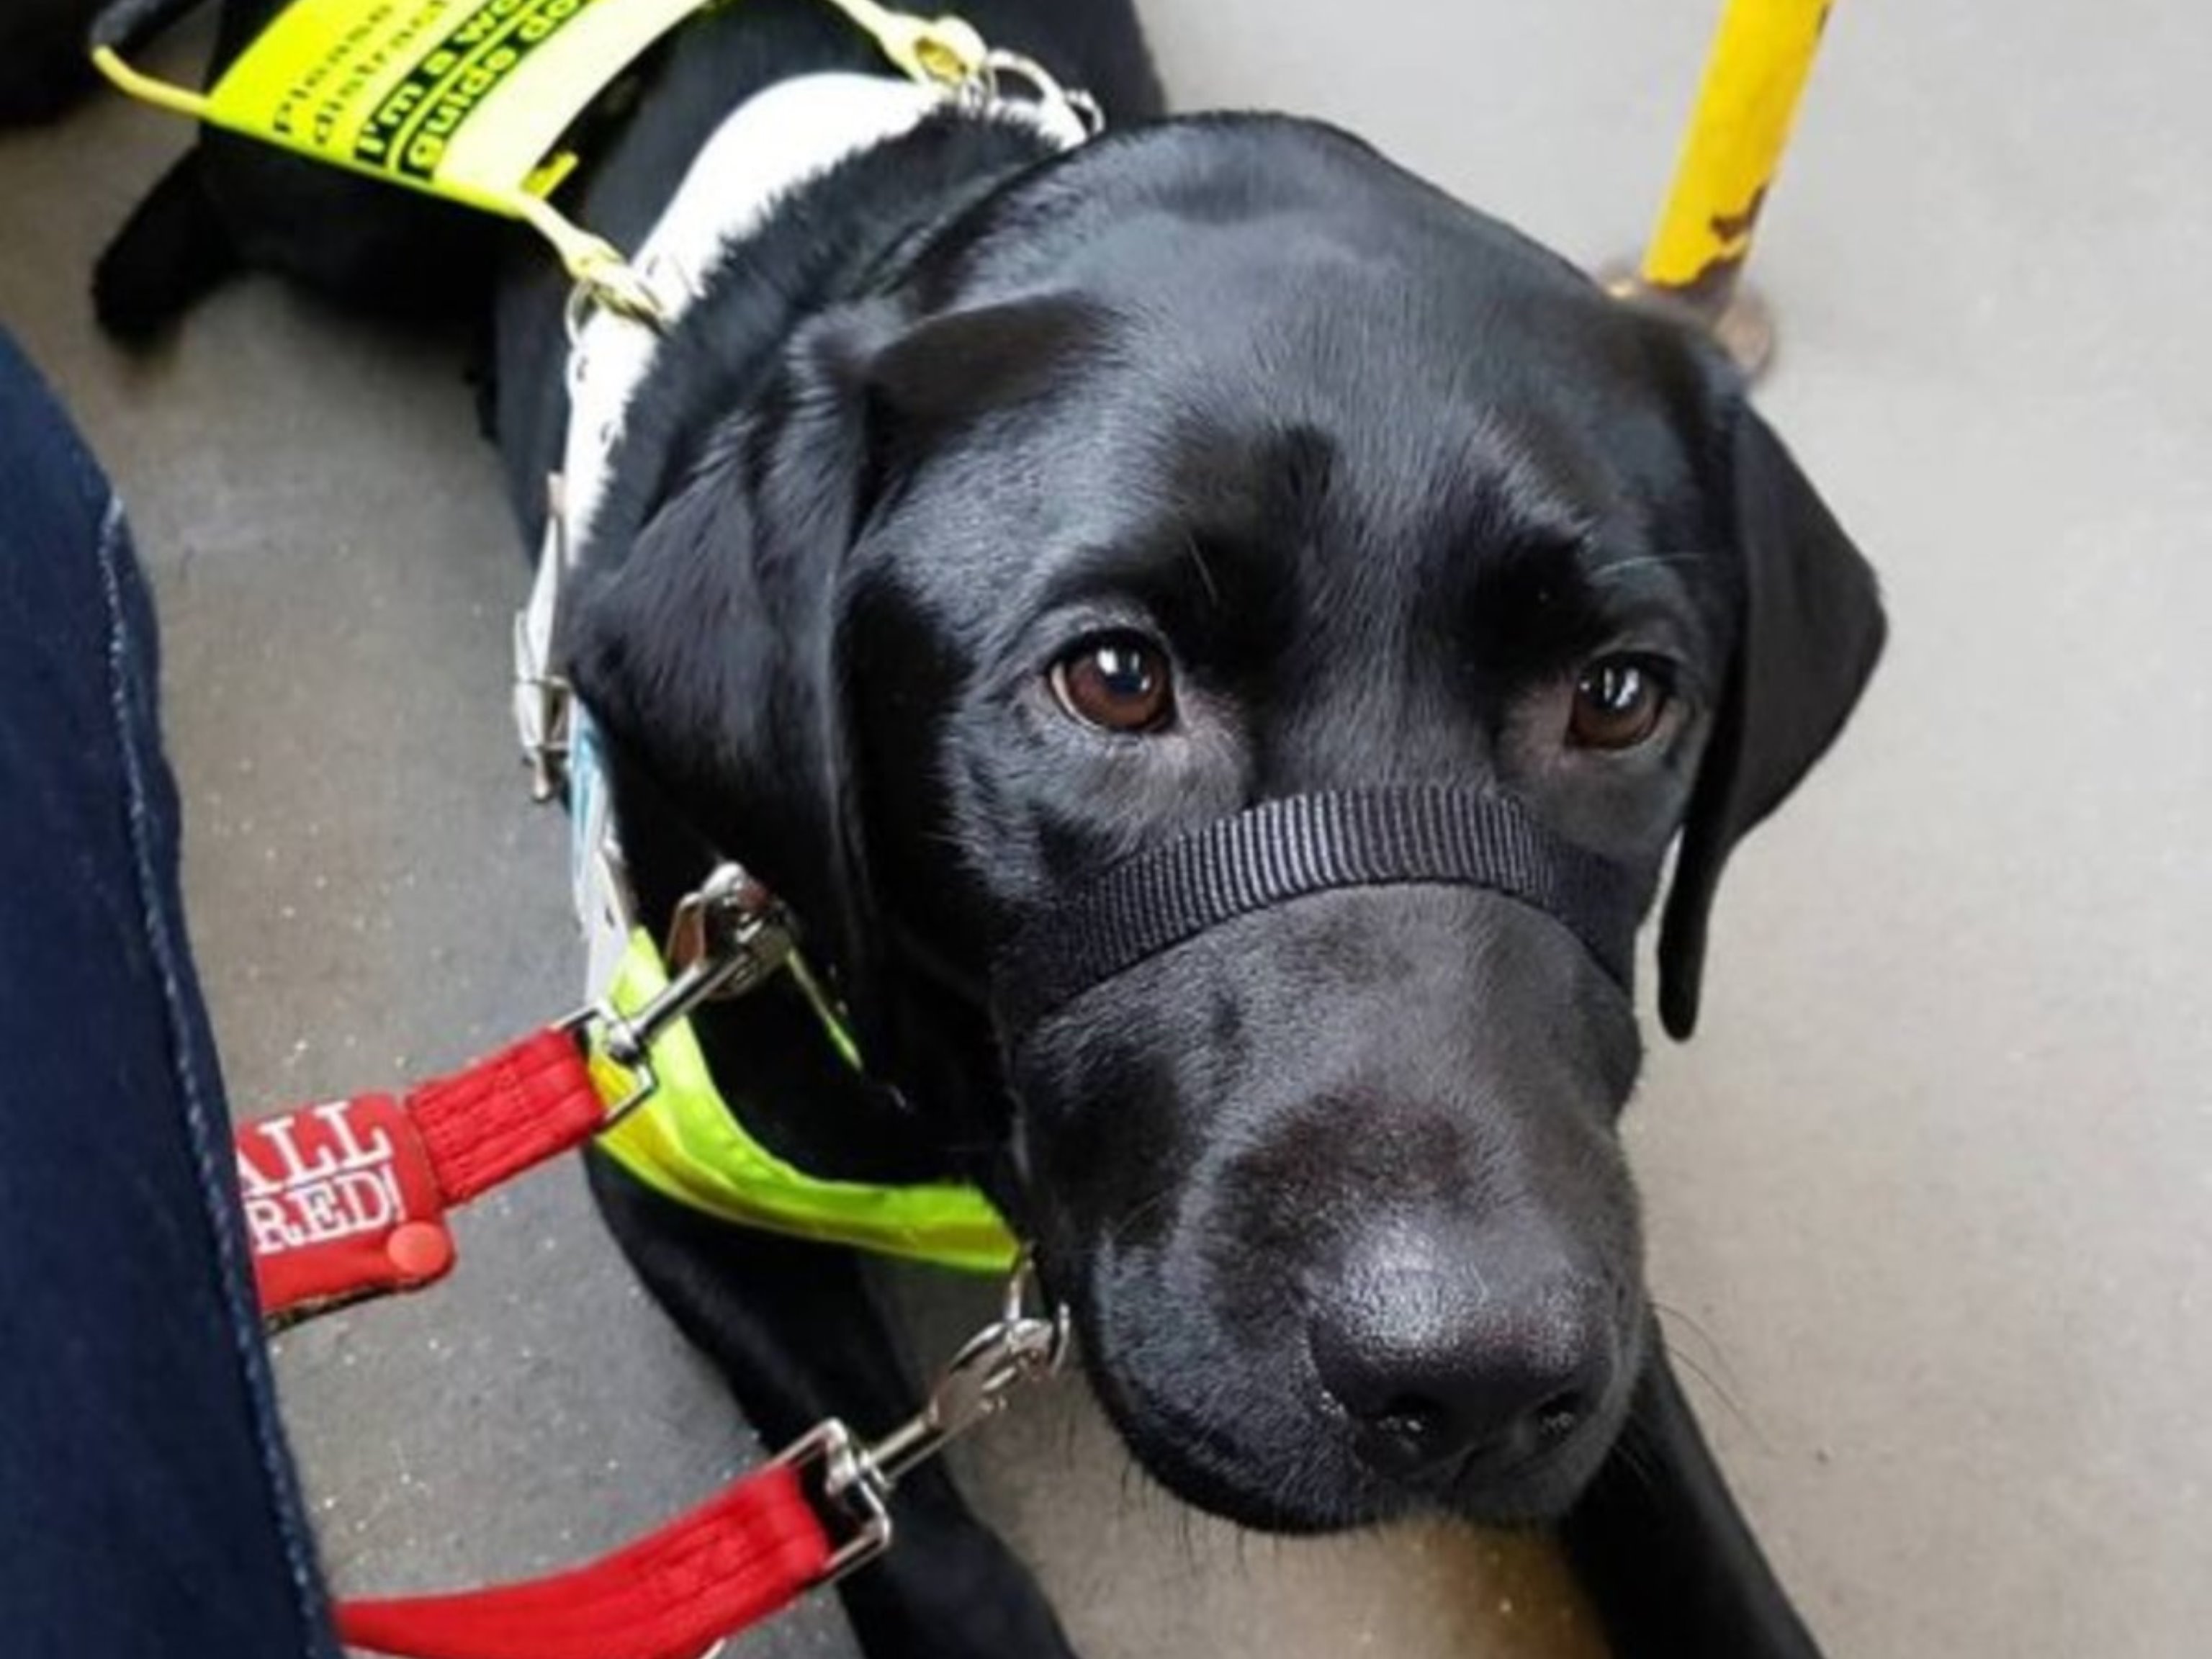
column 1931, row 1193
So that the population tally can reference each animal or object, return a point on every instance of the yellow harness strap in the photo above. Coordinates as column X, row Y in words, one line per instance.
column 685, row 1145
column 465, row 99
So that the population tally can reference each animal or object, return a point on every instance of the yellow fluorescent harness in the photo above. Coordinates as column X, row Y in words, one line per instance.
column 686, row 1145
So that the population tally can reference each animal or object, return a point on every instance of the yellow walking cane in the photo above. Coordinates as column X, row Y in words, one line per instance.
column 1759, row 63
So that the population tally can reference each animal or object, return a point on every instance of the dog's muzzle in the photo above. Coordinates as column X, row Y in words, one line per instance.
column 1291, row 849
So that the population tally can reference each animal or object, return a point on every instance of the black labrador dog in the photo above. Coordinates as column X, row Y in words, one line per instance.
column 997, row 513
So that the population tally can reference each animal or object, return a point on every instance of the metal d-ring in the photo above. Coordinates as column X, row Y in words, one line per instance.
column 997, row 65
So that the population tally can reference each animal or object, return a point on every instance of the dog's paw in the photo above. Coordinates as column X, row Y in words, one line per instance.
column 172, row 250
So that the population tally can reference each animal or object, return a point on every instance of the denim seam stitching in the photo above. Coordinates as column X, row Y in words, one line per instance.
column 244, row 1322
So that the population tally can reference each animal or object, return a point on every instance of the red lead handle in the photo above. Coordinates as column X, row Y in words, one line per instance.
column 348, row 1198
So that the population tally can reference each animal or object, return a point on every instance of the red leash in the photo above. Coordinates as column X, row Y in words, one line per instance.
column 724, row 1566
column 348, row 1199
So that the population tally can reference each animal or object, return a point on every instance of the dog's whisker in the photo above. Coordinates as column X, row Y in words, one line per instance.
column 1714, row 1387
column 1628, row 567
column 1672, row 1315
column 1205, row 572
column 1634, row 1460
column 1120, row 1227
column 1717, row 1373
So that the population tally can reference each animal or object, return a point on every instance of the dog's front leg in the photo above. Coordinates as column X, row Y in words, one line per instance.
column 801, row 1336
column 1661, row 1547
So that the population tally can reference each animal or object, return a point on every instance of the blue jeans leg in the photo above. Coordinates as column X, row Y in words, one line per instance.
column 147, row 1503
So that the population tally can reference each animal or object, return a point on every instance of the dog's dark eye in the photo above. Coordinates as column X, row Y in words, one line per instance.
column 1618, row 702
column 1117, row 683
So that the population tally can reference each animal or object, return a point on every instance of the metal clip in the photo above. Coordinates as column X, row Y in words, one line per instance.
column 1002, row 77
column 1023, row 1347
column 542, row 699
column 611, row 288
column 542, row 706
column 733, row 929
column 726, row 937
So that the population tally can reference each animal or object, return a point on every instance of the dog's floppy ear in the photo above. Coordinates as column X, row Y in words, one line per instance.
column 709, row 650
column 1810, row 630
column 717, row 650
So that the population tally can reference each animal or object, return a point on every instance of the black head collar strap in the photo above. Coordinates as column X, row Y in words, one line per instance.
column 1306, row 844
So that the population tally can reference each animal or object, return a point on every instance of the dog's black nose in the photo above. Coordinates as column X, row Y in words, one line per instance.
column 1486, row 1356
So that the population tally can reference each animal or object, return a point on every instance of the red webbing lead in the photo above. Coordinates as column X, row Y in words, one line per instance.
column 507, row 1114
column 348, row 1198
column 727, row 1565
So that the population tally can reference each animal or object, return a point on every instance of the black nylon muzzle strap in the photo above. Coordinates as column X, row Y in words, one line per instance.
column 1305, row 844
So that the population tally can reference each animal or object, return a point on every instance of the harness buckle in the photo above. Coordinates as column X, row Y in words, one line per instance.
column 543, row 704
column 1068, row 113
column 545, row 701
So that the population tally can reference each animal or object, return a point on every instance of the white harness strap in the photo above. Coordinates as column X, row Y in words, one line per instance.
column 796, row 130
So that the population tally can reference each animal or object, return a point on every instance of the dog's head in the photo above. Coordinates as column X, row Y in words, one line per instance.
column 1219, row 463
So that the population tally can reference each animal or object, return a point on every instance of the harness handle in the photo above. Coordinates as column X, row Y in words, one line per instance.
column 472, row 109
column 128, row 24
